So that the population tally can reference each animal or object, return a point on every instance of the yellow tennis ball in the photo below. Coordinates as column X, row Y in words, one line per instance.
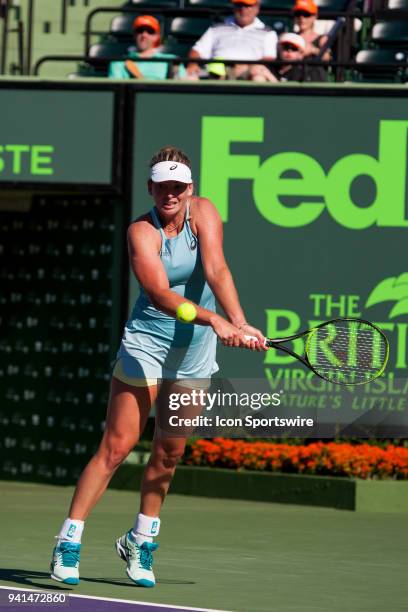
column 186, row 312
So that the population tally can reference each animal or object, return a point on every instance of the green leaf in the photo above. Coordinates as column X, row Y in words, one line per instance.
column 394, row 288
column 400, row 308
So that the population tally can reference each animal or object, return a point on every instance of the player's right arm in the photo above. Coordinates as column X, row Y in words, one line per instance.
column 145, row 262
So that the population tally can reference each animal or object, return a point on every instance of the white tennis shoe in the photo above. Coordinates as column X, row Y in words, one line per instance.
column 139, row 559
column 65, row 562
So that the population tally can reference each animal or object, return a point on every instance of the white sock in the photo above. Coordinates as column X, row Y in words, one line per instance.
column 145, row 528
column 71, row 531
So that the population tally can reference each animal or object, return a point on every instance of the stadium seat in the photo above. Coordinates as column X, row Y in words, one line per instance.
column 110, row 49
column 88, row 70
column 188, row 28
column 332, row 5
column 121, row 26
column 324, row 5
column 370, row 68
column 277, row 4
column 398, row 5
column 181, row 49
column 155, row 3
column 210, row 4
column 279, row 24
column 390, row 33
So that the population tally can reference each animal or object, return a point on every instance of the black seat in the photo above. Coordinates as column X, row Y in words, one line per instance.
column 390, row 33
column 188, row 28
column 374, row 65
column 277, row 4
column 178, row 48
column 210, row 4
column 154, row 3
column 89, row 70
column 110, row 49
column 122, row 26
column 331, row 5
column 398, row 5
column 277, row 23
column 324, row 5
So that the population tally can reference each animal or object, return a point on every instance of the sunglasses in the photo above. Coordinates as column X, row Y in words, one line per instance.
column 302, row 14
column 145, row 29
column 286, row 47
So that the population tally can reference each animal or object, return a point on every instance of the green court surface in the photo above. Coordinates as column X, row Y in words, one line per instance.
column 224, row 554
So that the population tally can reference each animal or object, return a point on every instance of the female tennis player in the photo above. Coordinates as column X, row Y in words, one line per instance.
column 177, row 256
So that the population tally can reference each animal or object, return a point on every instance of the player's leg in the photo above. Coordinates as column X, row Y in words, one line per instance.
column 159, row 472
column 128, row 411
column 136, row 546
column 127, row 414
column 169, row 440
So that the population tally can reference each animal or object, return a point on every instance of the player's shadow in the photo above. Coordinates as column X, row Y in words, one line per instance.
column 32, row 579
column 36, row 579
column 127, row 583
column 170, row 581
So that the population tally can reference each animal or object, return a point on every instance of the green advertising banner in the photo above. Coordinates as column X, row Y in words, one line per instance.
column 312, row 193
column 50, row 136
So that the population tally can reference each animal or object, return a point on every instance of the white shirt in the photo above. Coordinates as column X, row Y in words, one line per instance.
column 229, row 41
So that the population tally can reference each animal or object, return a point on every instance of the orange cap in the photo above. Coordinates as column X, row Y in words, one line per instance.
column 148, row 21
column 305, row 5
column 247, row 2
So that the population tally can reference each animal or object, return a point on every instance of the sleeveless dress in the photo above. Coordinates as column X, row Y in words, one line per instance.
column 155, row 345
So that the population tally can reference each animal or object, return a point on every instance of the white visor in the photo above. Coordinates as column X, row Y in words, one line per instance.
column 170, row 171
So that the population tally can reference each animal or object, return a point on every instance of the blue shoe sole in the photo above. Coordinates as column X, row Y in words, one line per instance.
column 71, row 581
column 66, row 581
column 144, row 583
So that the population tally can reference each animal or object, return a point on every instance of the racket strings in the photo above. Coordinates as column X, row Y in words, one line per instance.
column 349, row 352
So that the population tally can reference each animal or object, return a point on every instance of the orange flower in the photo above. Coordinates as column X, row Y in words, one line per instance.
column 333, row 458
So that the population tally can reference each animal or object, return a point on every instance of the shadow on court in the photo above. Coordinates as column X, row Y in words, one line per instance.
column 35, row 579
column 31, row 579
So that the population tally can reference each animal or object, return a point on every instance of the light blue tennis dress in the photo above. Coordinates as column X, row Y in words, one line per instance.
column 157, row 346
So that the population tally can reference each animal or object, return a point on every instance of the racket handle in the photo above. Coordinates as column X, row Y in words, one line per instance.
column 255, row 338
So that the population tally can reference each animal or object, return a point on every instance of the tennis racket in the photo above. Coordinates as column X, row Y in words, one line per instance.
column 344, row 351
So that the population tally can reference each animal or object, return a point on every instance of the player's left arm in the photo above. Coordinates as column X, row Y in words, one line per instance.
column 216, row 270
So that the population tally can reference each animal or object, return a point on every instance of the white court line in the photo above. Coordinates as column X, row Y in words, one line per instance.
column 125, row 601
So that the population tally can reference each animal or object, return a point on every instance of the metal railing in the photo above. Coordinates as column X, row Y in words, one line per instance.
column 5, row 13
column 64, row 16
column 30, row 35
column 6, row 30
column 401, row 67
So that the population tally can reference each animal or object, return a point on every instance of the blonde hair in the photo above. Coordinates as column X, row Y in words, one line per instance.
column 170, row 153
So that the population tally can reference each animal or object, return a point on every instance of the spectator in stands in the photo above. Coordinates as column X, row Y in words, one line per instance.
column 305, row 15
column 291, row 47
column 147, row 34
column 242, row 36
